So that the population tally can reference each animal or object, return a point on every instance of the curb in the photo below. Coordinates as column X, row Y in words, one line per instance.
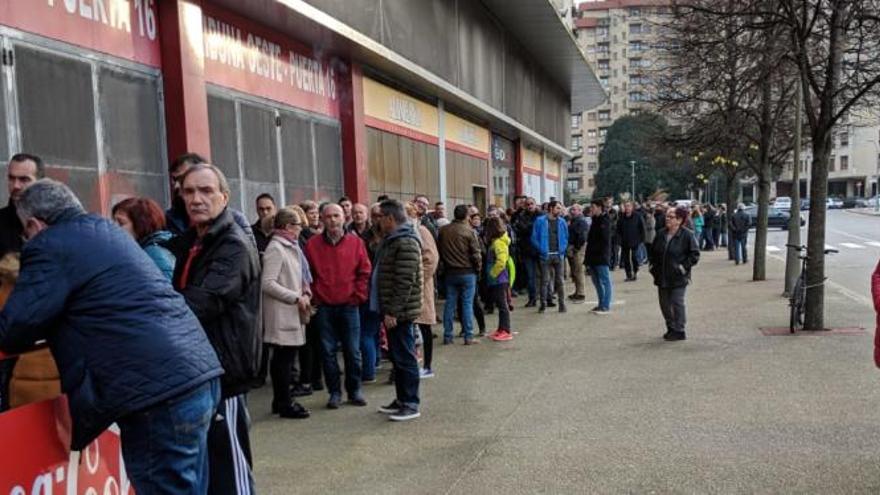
column 863, row 212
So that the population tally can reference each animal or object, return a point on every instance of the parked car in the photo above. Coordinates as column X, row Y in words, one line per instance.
column 805, row 204
column 853, row 202
column 783, row 203
column 872, row 201
column 833, row 203
column 776, row 218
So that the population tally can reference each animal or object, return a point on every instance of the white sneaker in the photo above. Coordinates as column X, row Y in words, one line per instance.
column 426, row 373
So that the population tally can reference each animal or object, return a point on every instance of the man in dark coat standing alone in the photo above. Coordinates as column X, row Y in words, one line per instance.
column 218, row 273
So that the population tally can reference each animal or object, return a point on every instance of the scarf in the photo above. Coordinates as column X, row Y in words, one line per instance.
column 294, row 245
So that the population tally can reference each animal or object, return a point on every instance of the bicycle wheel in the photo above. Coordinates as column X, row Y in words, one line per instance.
column 796, row 303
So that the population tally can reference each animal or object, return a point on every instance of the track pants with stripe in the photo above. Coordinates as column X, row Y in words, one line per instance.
column 229, row 449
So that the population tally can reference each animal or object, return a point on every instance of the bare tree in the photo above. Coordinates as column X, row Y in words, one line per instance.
column 836, row 45
column 723, row 67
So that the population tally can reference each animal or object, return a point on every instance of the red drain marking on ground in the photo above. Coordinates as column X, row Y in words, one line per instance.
column 776, row 331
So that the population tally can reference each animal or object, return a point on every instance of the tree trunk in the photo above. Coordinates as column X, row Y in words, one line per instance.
column 759, row 260
column 814, row 318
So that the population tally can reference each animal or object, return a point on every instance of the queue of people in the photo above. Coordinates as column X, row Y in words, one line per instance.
column 216, row 305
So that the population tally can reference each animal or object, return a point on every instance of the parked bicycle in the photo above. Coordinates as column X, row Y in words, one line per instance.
column 798, row 298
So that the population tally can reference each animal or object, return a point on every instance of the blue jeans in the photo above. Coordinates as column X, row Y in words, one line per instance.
column 370, row 322
column 459, row 286
column 341, row 324
column 402, row 348
column 165, row 447
column 602, row 281
column 642, row 254
column 740, row 249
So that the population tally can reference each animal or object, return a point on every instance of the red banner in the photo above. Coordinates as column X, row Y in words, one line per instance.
column 244, row 56
column 127, row 29
column 35, row 459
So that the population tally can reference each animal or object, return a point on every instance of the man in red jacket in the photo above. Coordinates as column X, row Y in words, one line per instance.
column 341, row 275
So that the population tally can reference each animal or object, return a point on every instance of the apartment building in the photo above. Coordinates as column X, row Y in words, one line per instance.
column 619, row 38
column 854, row 165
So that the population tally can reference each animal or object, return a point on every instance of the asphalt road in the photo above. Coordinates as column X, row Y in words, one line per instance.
column 856, row 236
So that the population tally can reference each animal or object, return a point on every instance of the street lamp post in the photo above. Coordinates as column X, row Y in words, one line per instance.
column 632, row 164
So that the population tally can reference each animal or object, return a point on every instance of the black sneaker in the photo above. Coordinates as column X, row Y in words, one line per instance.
column 317, row 386
column 674, row 336
column 390, row 408
column 531, row 303
column 562, row 308
column 358, row 401
column 294, row 411
column 542, row 308
column 447, row 341
column 334, row 402
column 551, row 304
column 405, row 414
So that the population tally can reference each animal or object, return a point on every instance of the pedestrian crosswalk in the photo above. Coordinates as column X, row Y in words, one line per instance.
column 846, row 245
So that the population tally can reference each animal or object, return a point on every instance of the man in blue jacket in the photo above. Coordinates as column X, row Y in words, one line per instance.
column 550, row 240
column 127, row 347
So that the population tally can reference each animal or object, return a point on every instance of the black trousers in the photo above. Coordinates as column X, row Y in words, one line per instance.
column 673, row 308
column 630, row 264
column 427, row 345
column 281, row 371
column 499, row 296
column 310, row 360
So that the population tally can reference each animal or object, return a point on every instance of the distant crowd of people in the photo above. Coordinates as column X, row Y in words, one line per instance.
column 163, row 321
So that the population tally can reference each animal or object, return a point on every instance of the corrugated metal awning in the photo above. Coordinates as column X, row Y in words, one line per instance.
column 540, row 29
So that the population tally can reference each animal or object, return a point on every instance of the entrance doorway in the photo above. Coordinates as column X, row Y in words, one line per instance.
column 479, row 197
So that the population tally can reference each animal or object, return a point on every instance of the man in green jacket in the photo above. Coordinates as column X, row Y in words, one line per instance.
column 396, row 294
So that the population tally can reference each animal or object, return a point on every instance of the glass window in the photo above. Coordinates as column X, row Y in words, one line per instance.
column 299, row 162
column 57, row 118
column 844, row 163
column 224, row 143
column 259, row 152
column 328, row 157
column 132, row 131
column 56, row 108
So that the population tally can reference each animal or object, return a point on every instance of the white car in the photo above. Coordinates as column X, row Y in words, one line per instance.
column 833, row 203
column 782, row 203
column 684, row 202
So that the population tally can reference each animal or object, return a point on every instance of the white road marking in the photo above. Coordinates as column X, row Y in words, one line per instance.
column 873, row 243
column 852, row 245
column 773, row 249
column 829, row 246
column 858, row 237
column 853, row 295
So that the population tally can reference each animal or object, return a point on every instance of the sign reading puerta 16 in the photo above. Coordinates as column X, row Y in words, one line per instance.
column 246, row 57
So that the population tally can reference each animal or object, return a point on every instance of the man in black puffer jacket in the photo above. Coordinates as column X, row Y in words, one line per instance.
column 396, row 293
column 218, row 273
column 598, row 256
column 127, row 347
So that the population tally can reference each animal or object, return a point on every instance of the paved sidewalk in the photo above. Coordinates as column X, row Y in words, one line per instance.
column 580, row 403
